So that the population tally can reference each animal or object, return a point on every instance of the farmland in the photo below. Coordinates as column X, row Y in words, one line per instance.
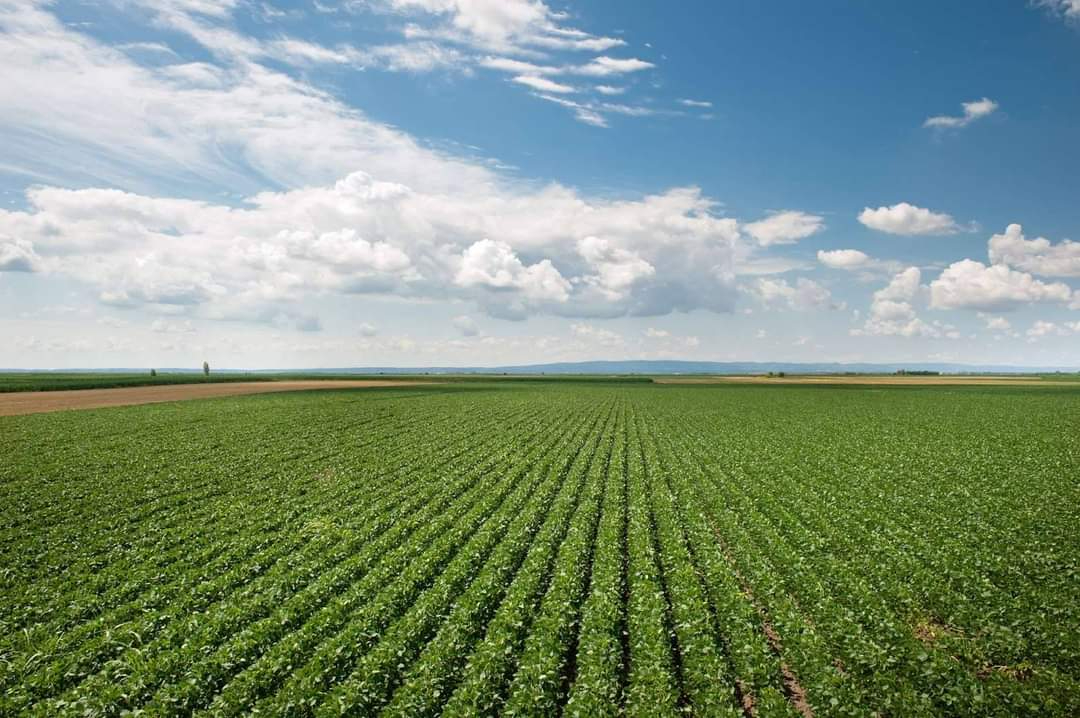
column 547, row 548
column 33, row 402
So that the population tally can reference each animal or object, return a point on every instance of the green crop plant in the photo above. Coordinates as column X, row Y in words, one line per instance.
column 519, row 547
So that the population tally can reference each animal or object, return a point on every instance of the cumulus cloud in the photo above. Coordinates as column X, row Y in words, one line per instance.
column 973, row 110
column 593, row 334
column 853, row 260
column 466, row 325
column 785, row 227
column 907, row 219
column 843, row 258
column 996, row 324
column 617, row 269
column 1042, row 329
column 1038, row 256
column 968, row 284
column 892, row 311
column 651, row 256
column 17, row 255
column 494, row 265
column 415, row 223
column 804, row 295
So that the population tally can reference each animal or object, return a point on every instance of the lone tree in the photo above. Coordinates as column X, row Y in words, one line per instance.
column 153, row 372
column 206, row 369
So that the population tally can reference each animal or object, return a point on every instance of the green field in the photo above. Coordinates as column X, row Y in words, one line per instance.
column 57, row 381
column 60, row 380
column 546, row 549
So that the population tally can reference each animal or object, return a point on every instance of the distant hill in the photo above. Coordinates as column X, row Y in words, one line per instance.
column 647, row 367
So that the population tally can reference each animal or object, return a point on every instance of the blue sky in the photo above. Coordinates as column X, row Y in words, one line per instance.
column 417, row 182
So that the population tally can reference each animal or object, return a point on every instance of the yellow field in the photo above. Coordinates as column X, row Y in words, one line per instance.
column 880, row 380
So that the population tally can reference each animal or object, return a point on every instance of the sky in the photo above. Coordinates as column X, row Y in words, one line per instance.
column 333, row 183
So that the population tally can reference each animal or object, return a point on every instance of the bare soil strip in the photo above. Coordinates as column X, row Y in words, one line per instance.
column 35, row 402
column 870, row 380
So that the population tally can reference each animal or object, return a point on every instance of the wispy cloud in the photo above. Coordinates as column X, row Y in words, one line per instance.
column 974, row 110
column 543, row 84
column 1068, row 9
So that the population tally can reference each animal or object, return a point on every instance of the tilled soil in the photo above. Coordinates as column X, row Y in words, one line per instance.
column 34, row 402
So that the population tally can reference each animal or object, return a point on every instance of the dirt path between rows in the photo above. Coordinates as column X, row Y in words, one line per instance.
column 34, row 402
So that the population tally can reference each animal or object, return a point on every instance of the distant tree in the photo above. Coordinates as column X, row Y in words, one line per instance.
column 206, row 369
column 780, row 374
column 153, row 372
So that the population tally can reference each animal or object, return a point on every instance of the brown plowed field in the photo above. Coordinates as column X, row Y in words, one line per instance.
column 34, row 402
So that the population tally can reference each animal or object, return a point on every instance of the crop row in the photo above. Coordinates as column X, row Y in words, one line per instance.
column 581, row 550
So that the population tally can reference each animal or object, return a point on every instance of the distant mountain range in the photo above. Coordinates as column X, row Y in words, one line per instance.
column 642, row 367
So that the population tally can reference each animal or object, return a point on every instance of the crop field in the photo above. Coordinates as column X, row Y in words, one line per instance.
column 547, row 549
column 33, row 402
column 60, row 381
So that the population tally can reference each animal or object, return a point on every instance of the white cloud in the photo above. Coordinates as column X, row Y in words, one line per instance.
column 617, row 269
column 171, row 123
column 785, row 227
column 155, row 48
column 974, row 110
column 968, row 284
column 694, row 103
column 1068, row 9
column 653, row 333
column 604, row 337
column 543, row 84
column 907, row 219
column 604, row 66
column 517, row 67
column 17, row 255
column 892, row 311
column 843, row 258
column 903, row 287
column 593, row 113
column 804, row 295
column 1042, row 329
column 362, row 235
column 1037, row 256
column 853, row 260
column 610, row 90
column 996, row 324
column 416, row 57
column 498, row 25
column 466, row 326
column 162, row 326
column 412, row 224
column 366, row 329
column 300, row 51
column 493, row 264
